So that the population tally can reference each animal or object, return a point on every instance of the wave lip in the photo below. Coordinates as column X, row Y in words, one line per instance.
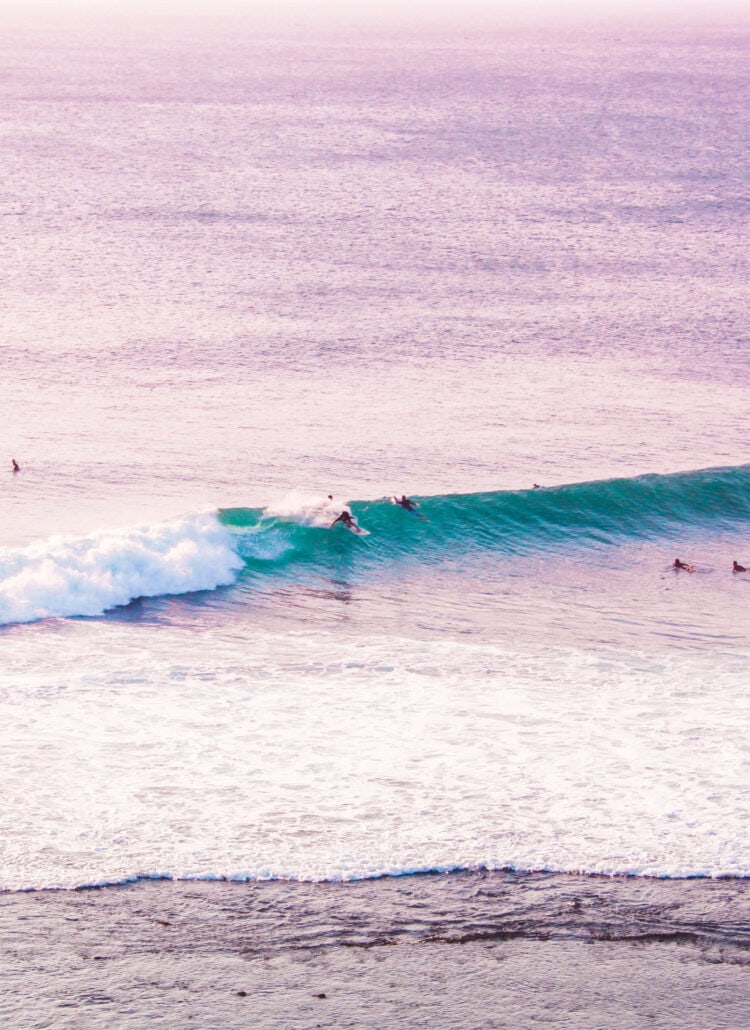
column 89, row 575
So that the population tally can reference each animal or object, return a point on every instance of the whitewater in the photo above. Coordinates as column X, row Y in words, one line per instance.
column 316, row 757
column 252, row 270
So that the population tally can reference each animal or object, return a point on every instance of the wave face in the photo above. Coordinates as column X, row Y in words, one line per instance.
column 507, row 522
column 92, row 574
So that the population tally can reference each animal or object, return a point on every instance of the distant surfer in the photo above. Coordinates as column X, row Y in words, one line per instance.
column 677, row 564
column 536, row 486
column 348, row 520
column 408, row 505
column 16, row 466
column 738, row 568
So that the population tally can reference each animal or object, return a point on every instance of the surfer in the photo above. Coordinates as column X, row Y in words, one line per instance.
column 348, row 520
column 535, row 486
column 16, row 466
column 408, row 505
column 677, row 564
column 738, row 568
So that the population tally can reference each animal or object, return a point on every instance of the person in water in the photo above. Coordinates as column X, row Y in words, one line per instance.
column 738, row 568
column 408, row 505
column 16, row 466
column 348, row 520
column 677, row 564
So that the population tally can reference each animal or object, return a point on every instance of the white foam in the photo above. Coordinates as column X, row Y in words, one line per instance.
column 306, row 509
column 311, row 756
column 88, row 575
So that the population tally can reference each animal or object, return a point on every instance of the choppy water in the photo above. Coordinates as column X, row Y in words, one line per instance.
column 248, row 270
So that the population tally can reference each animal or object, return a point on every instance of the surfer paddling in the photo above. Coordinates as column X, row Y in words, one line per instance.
column 681, row 566
column 408, row 505
column 736, row 567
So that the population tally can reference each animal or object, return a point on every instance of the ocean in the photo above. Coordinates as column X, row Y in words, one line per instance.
column 501, row 270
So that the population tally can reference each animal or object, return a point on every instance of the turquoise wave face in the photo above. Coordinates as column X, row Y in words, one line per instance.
column 578, row 515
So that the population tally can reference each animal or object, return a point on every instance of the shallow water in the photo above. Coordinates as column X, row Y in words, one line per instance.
column 483, row 950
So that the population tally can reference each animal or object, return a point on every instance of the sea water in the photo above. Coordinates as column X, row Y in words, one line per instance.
column 246, row 268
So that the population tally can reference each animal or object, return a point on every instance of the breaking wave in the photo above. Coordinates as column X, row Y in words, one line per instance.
column 92, row 574
column 88, row 575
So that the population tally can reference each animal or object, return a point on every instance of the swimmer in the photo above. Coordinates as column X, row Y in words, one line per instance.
column 738, row 568
column 16, row 466
column 348, row 520
column 677, row 564
column 535, row 486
